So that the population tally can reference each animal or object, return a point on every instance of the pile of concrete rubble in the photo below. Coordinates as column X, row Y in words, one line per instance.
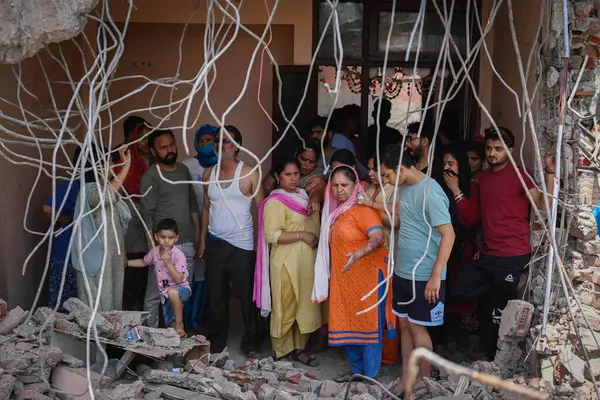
column 42, row 355
column 33, row 366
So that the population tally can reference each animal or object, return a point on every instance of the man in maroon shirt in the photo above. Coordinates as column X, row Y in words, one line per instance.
column 504, row 211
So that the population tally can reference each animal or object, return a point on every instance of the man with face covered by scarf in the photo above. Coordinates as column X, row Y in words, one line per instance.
column 206, row 158
column 162, row 199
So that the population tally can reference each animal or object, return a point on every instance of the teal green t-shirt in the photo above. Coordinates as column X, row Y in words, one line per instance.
column 415, row 231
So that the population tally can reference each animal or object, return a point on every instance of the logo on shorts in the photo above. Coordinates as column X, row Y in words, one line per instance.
column 496, row 316
column 509, row 278
column 437, row 313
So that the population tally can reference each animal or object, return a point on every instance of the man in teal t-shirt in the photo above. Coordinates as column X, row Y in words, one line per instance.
column 425, row 240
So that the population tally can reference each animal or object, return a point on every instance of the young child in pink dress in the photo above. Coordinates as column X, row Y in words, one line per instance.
column 171, row 273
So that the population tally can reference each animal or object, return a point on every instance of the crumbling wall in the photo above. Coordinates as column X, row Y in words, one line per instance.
column 27, row 26
column 559, row 358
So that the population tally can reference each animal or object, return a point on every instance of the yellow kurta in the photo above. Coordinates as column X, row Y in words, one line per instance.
column 291, row 269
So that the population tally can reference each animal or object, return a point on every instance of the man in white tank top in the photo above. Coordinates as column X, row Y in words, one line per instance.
column 227, row 240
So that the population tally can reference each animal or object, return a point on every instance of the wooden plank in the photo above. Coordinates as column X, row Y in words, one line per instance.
column 175, row 393
column 124, row 362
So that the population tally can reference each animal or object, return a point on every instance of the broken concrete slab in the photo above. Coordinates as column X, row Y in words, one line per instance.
column 547, row 369
column 283, row 395
column 14, row 318
column 267, row 364
column 265, row 392
column 9, row 386
column 231, row 391
column 329, row 389
column 156, row 395
column 574, row 365
column 29, row 330
column 193, row 382
column 173, row 392
column 27, row 366
column 43, row 314
column 41, row 387
column 83, row 314
column 124, row 391
column 516, row 319
column 508, row 357
column 595, row 363
column 72, row 361
column 160, row 337
column 195, row 366
column 229, row 365
column 67, row 327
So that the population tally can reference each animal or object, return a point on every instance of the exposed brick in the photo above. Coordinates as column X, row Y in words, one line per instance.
column 516, row 319
column 588, row 275
column 594, row 26
column 583, row 9
column 593, row 39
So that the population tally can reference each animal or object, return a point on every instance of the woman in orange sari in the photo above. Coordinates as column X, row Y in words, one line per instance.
column 351, row 262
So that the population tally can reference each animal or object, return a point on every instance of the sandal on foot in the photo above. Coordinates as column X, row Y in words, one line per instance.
column 344, row 378
column 306, row 359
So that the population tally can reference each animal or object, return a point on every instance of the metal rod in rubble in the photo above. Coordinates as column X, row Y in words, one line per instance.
column 554, row 208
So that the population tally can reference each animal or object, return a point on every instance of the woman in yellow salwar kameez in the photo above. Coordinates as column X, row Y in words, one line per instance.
column 284, row 278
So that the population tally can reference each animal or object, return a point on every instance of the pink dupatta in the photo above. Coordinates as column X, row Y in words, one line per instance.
column 332, row 209
column 297, row 202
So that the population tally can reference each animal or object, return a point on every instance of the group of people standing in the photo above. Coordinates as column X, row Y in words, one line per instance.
column 324, row 246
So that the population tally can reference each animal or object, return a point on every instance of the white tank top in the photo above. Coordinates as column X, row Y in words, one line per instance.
column 221, row 222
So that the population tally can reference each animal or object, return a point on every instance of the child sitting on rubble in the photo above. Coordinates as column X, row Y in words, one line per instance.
column 171, row 273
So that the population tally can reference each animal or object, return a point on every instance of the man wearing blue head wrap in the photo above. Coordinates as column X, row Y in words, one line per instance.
column 206, row 157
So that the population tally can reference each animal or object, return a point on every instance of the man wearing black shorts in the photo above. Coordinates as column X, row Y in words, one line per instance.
column 426, row 238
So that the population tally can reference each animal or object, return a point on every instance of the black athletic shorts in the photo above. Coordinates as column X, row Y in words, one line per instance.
column 419, row 311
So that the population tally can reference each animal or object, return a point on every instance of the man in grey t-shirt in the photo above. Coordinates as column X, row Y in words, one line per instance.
column 162, row 199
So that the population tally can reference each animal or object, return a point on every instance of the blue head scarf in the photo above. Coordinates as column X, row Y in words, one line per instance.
column 206, row 154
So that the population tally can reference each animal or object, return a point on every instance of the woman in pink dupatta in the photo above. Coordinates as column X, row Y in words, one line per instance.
column 284, row 277
column 351, row 262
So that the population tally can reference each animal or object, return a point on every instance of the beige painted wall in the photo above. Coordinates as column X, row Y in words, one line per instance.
column 231, row 68
column 502, row 104
column 16, row 182
column 298, row 13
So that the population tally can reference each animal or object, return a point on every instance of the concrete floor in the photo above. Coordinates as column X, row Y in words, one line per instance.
column 332, row 362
